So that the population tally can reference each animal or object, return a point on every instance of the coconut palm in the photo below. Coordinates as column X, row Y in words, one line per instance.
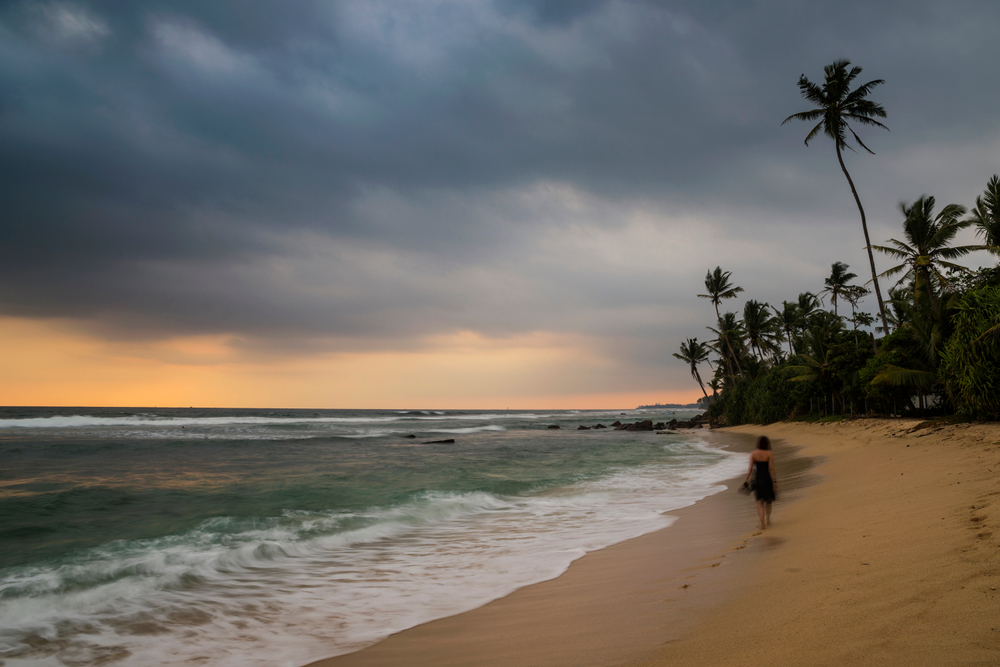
column 986, row 215
column 927, row 249
column 760, row 327
column 718, row 287
column 729, row 342
column 808, row 304
column 836, row 106
column 836, row 284
column 694, row 353
column 787, row 321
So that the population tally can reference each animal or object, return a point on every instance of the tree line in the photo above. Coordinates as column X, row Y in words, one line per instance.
column 938, row 348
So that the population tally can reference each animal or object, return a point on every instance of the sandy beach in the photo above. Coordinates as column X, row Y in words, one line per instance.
column 883, row 551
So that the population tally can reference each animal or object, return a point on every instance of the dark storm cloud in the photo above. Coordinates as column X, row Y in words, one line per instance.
column 372, row 169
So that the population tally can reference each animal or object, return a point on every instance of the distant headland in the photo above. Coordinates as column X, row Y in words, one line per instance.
column 672, row 406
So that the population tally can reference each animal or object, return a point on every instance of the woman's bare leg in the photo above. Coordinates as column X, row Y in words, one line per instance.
column 761, row 514
column 767, row 512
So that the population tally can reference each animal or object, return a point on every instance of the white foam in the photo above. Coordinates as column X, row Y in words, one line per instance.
column 291, row 589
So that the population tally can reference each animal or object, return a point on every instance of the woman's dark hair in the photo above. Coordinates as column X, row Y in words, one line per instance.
column 763, row 442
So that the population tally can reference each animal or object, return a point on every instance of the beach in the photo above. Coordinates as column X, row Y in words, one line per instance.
column 884, row 551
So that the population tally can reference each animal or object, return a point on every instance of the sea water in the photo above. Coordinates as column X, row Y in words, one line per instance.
column 277, row 537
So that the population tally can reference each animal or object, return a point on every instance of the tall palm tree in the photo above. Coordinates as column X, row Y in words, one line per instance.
column 836, row 105
column 986, row 215
column 694, row 353
column 836, row 284
column 718, row 287
column 927, row 248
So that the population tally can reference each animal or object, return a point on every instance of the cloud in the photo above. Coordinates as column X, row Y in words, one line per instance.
column 371, row 176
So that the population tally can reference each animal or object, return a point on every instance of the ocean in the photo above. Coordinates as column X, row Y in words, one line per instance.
column 247, row 538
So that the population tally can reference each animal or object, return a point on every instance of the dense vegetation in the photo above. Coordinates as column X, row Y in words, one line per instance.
column 937, row 350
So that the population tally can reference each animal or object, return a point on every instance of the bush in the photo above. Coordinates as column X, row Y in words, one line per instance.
column 970, row 363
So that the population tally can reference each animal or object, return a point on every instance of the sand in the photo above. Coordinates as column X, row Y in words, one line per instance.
column 892, row 558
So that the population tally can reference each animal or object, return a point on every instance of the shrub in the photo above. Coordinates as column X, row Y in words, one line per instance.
column 970, row 363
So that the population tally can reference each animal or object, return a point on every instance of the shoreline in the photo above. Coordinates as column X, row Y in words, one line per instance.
column 892, row 558
column 610, row 602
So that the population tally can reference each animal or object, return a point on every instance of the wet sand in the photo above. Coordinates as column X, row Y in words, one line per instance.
column 892, row 558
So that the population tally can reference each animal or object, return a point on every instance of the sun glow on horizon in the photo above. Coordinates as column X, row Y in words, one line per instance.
column 50, row 362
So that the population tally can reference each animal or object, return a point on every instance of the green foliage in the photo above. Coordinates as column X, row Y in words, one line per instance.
column 970, row 363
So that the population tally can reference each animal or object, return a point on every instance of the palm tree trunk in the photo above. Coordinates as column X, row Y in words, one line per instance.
column 697, row 376
column 868, row 243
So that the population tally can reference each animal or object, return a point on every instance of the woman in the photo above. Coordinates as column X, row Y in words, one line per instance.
column 765, row 483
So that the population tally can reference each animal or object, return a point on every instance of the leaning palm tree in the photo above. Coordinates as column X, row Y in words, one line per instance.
column 986, row 215
column 836, row 105
column 927, row 248
column 718, row 287
column 836, row 284
column 694, row 353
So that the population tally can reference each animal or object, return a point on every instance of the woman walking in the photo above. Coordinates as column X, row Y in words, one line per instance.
column 765, row 484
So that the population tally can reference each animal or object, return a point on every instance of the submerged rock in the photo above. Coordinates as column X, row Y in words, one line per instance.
column 449, row 441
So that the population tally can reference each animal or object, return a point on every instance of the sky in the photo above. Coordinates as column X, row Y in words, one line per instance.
column 445, row 203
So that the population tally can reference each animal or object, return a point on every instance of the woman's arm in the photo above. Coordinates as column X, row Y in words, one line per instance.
column 770, row 467
column 749, row 471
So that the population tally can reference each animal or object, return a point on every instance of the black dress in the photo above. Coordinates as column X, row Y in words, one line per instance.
column 763, row 485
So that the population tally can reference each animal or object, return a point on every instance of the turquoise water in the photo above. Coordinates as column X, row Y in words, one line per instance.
column 262, row 537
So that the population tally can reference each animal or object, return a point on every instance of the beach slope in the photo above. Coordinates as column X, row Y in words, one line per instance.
column 894, row 559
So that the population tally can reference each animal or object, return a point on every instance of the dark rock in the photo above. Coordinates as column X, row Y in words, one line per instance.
column 645, row 425
column 409, row 436
column 616, row 423
column 449, row 441
column 659, row 426
column 553, row 426
column 600, row 426
column 622, row 427
column 581, row 427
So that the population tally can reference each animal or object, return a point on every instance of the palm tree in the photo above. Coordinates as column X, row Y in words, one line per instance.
column 808, row 305
column 718, row 287
column 787, row 320
column 760, row 327
column 730, row 341
column 836, row 105
column 694, row 353
column 927, row 249
column 836, row 284
column 715, row 385
column 986, row 215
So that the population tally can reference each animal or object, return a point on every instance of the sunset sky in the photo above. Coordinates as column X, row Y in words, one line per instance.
column 444, row 203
